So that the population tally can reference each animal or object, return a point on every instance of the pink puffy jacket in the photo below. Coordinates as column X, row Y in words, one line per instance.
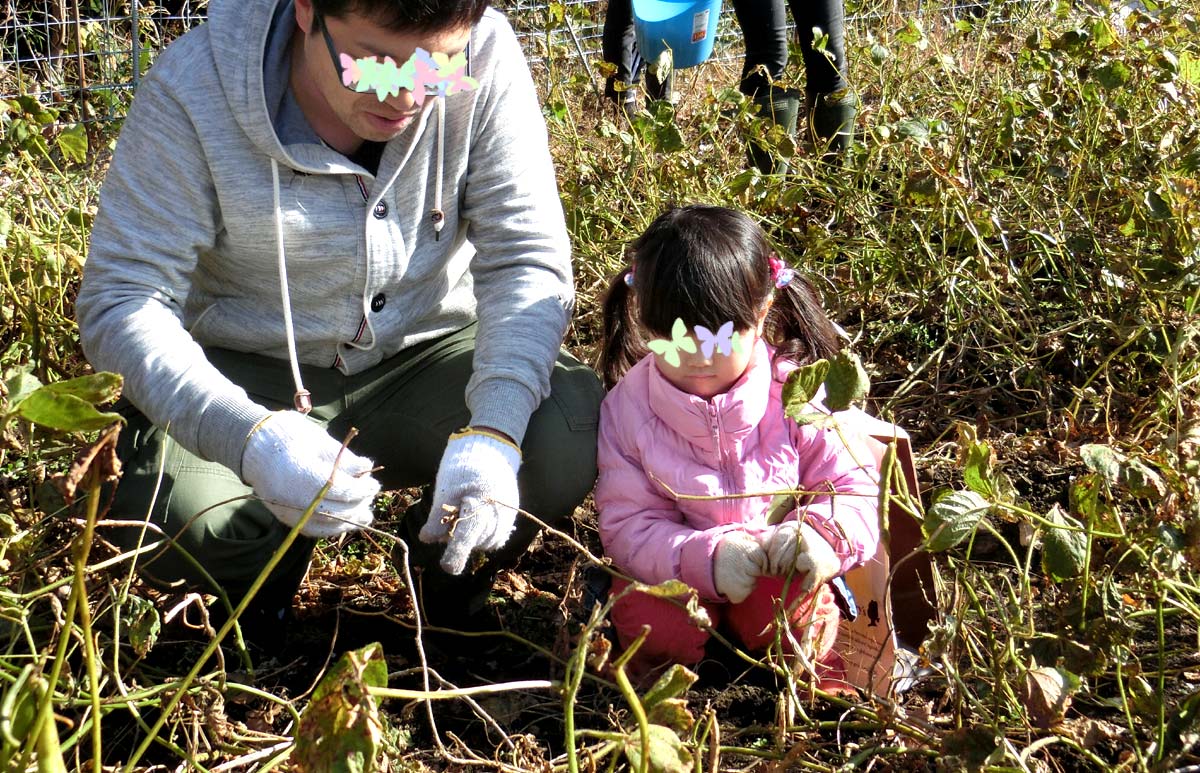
column 656, row 439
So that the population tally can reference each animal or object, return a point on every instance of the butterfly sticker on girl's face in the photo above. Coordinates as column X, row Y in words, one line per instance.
column 726, row 340
column 669, row 350
column 719, row 340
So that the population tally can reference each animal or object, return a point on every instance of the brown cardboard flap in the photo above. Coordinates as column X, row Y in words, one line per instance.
column 867, row 644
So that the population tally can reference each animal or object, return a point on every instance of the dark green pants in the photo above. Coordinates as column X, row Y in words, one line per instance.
column 404, row 409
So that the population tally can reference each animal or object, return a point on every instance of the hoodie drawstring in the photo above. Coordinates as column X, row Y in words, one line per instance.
column 436, row 214
column 302, row 400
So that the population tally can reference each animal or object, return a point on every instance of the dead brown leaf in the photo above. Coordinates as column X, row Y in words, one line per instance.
column 98, row 463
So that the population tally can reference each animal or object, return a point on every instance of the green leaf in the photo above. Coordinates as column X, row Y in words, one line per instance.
column 1189, row 68
column 341, row 730
column 802, row 386
column 667, row 138
column 950, row 519
column 914, row 129
column 1085, row 498
column 1142, row 480
column 977, row 472
column 880, row 53
column 20, row 385
column 847, row 381
column 1102, row 460
column 1103, row 34
column 1157, row 206
column 781, row 505
column 667, row 753
column 666, row 590
column 22, row 700
column 94, row 388
column 912, row 33
column 140, row 619
column 1064, row 545
column 664, row 702
column 64, row 412
column 921, row 188
column 822, row 420
column 674, row 683
column 73, row 143
column 1116, row 469
column 1113, row 75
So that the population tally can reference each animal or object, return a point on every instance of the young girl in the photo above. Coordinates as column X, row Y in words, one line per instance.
column 702, row 416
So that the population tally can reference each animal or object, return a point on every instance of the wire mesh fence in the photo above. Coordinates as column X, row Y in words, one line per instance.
column 83, row 54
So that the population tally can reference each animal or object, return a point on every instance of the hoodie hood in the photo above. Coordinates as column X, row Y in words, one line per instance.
column 240, row 31
column 250, row 42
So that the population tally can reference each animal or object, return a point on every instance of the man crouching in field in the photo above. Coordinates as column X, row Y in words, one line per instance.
column 325, row 214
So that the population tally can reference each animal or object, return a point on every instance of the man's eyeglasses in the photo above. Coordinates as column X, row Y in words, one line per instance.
column 424, row 73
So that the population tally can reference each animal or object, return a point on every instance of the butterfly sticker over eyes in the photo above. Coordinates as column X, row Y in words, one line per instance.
column 720, row 340
column 726, row 340
column 679, row 342
column 422, row 73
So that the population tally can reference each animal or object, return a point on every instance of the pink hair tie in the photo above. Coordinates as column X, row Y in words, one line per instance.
column 781, row 274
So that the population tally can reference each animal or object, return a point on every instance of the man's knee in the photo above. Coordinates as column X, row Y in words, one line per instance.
column 559, row 467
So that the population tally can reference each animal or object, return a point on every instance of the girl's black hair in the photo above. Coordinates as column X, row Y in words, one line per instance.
column 408, row 15
column 708, row 265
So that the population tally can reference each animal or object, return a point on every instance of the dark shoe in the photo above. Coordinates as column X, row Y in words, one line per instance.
column 831, row 123
column 778, row 107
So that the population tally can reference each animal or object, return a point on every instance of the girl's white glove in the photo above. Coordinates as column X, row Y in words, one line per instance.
column 737, row 564
column 288, row 458
column 799, row 547
column 477, row 477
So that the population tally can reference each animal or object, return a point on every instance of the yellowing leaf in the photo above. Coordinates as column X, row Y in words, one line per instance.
column 340, row 730
column 1046, row 694
column 666, row 753
column 802, row 386
column 847, row 381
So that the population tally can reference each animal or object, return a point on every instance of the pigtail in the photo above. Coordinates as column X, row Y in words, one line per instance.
column 797, row 325
column 621, row 346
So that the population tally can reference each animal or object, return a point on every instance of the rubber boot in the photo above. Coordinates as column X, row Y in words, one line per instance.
column 831, row 123
column 657, row 90
column 780, row 107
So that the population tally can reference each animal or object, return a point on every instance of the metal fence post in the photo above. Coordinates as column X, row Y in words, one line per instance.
column 136, row 42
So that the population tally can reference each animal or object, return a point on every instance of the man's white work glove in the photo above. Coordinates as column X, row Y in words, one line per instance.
column 737, row 564
column 800, row 547
column 288, row 458
column 478, row 478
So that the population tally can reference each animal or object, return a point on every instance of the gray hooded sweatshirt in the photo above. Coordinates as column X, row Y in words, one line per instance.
column 191, row 231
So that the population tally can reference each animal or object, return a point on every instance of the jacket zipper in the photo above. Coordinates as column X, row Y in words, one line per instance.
column 723, row 477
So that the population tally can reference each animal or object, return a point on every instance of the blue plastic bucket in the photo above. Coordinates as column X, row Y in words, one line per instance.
column 687, row 27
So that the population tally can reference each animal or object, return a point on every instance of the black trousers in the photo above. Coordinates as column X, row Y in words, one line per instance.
column 764, row 30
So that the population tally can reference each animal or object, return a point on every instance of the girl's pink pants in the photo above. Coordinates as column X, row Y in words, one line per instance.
column 673, row 638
